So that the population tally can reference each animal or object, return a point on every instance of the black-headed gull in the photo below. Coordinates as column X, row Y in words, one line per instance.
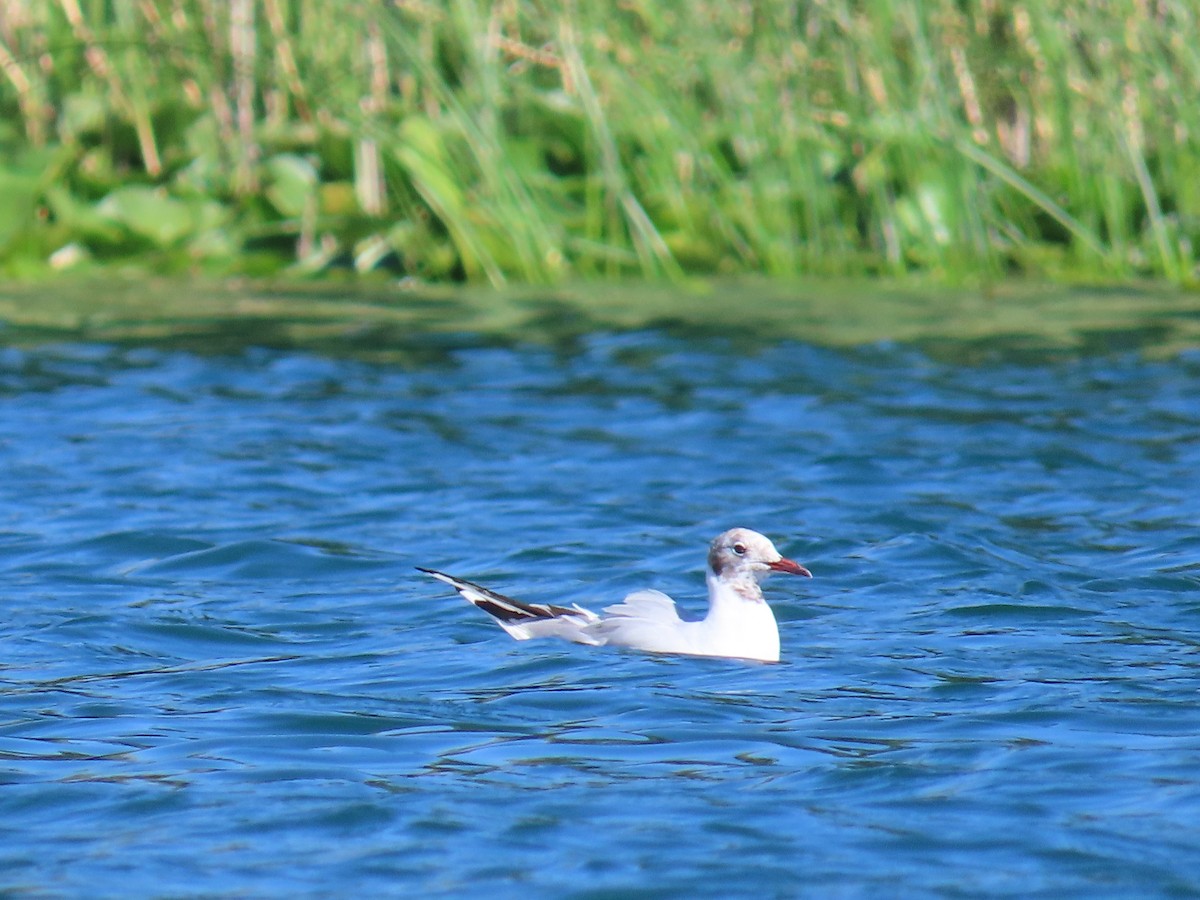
column 739, row 624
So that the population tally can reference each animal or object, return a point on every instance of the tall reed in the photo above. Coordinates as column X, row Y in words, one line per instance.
column 543, row 139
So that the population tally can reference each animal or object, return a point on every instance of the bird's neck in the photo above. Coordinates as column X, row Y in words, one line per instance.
column 733, row 591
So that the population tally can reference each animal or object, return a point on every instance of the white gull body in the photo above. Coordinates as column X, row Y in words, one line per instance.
column 739, row 624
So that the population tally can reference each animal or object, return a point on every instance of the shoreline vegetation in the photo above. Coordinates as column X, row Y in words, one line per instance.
column 372, row 320
column 543, row 142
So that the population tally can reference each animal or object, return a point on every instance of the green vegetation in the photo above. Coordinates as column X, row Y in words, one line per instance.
column 544, row 140
column 374, row 321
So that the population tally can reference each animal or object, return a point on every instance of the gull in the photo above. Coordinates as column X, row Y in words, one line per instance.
column 739, row 624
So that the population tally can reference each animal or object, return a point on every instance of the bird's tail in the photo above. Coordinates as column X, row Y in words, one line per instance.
column 525, row 620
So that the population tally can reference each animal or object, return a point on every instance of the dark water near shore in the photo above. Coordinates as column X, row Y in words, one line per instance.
column 221, row 674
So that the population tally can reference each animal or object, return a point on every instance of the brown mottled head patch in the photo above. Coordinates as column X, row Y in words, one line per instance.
column 740, row 554
column 716, row 560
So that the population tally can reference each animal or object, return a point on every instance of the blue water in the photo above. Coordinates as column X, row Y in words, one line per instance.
column 221, row 675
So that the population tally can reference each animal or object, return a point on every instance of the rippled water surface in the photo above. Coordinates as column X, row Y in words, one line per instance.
column 221, row 675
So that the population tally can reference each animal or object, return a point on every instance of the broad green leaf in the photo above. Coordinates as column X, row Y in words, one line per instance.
column 18, row 196
column 148, row 212
column 82, row 218
column 291, row 184
column 82, row 113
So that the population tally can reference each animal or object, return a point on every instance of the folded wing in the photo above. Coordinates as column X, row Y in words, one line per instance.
column 645, row 620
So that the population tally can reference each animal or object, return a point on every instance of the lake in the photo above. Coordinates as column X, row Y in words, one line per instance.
column 222, row 675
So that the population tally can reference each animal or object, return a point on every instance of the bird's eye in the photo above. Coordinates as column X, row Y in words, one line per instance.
column 739, row 549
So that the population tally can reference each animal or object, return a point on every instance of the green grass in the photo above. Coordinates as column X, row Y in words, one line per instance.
column 544, row 141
